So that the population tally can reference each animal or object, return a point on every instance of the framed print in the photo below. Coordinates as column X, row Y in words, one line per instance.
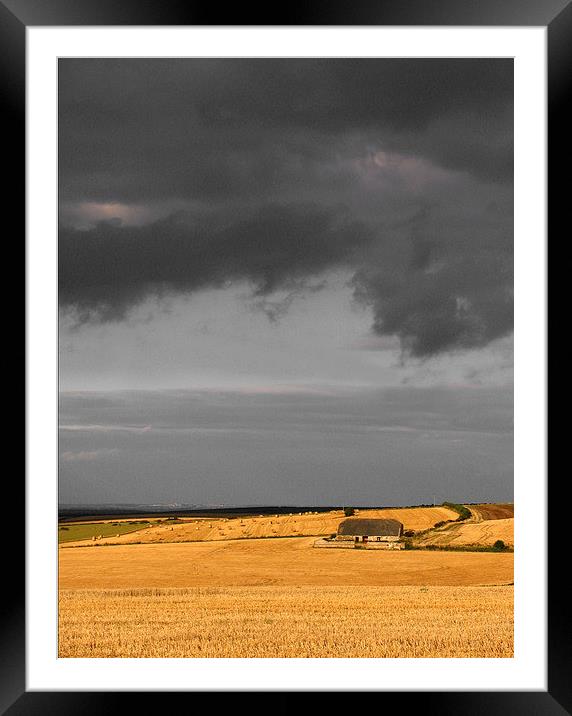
column 287, row 353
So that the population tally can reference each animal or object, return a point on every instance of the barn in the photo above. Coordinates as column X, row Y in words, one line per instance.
column 358, row 529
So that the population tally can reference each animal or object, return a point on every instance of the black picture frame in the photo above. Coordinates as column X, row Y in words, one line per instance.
column 556, row 15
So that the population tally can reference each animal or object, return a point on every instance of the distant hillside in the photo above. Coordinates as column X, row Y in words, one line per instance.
column 205, row 528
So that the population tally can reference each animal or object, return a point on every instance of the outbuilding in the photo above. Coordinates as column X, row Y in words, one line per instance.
column 360, row 529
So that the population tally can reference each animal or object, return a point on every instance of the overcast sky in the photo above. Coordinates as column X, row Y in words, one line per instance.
column 286, row 281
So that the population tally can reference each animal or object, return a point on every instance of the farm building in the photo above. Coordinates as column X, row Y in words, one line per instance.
column 360, row 529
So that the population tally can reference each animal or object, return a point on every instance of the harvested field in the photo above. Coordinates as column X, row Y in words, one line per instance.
column 470, row 533
column 285, row 562
column 492, row 511
column 216, row 529
column 307, row 622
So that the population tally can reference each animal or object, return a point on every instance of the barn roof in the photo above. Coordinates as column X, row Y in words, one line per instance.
column 362, row 526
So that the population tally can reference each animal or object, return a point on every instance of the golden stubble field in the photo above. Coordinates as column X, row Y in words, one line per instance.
column 284, row 561
column 484, row 533
column 283, row 598
column 288, row 622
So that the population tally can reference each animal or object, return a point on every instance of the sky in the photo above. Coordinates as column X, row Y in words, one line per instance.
column 285, row 281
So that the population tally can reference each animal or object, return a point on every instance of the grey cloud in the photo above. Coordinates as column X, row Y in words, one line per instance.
column 212, row 127
column 379, row 447
column 436, row 312
column 281, row 163
column 434, row 288
column 450, row 288
column 141, row 412
column 104, row 271
column 278, row 308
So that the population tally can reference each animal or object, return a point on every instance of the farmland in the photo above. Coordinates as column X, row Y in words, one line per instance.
column 300, row 622
column 492, row 512
column 483, row 533
column 254, row 586
column 286, row 561
column 202, row 529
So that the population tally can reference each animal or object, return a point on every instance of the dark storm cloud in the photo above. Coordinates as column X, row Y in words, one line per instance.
column 107, row 269
column 467, row 303
column 288, row 169
column 140, row 128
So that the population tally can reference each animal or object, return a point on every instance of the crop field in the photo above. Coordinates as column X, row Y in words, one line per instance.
column 303, row 621
column 484, row 533
column 172, row 590
column 492, row 511
column 295, row 524
column 286, row 561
